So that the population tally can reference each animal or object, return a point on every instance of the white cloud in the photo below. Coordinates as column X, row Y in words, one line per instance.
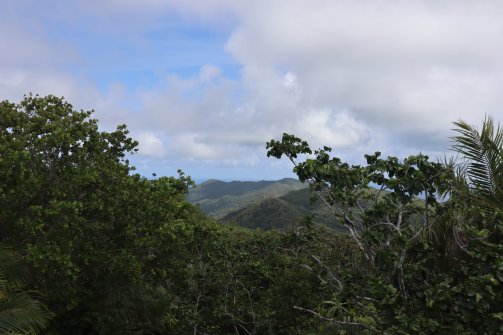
column 340, row 130
column 191, row 146
column 150, row 145
column 208, row 72
column 369, row 75
column 290, row 81
column 405, row 68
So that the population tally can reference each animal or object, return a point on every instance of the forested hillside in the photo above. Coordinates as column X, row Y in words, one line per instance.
column 267, row 214
column 285, row 211
column 261, row 204
column 90, row 247
column 218, row 198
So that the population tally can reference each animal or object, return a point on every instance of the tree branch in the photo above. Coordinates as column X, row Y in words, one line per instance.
column 318, row 315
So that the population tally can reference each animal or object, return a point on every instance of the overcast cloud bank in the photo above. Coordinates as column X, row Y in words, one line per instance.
column 356, row 75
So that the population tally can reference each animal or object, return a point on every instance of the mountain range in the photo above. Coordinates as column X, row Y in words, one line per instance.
column 261, row 204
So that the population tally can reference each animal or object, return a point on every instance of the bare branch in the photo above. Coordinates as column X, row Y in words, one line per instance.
column 359, row 324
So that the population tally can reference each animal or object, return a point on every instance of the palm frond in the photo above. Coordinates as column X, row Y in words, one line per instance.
column 13, row 271
column 19, row 312
column 482, row 152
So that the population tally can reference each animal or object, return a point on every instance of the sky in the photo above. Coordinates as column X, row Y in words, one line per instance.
column 202, row 85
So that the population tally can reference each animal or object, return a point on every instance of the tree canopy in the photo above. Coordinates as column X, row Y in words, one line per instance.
column 431, row 267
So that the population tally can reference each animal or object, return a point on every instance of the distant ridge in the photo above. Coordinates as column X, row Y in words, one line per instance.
column 261, row 204
column 219, row 198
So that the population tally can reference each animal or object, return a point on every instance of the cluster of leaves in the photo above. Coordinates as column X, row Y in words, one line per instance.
column 430, row 267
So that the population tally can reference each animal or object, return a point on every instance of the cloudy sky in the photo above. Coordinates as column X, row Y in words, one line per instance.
column 204, row 84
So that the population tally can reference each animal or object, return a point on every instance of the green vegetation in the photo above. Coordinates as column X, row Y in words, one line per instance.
column 262, row 204
column 438, row 276
column 111, row 252
column 287, row 210
column 218, row 199
column 267, row 214
column 20, row 312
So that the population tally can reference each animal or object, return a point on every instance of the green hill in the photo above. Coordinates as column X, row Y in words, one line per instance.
column 261, row 204
column 267, row 214
column 218, row 198
column 303, row 200
column 283, row 211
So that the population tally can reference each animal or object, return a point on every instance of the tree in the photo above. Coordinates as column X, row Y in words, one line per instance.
column 94, row 233
column 409, row 283
column 390, row 211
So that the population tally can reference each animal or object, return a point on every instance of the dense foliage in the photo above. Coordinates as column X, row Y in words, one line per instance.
column 430, row 267
column 111, row 252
